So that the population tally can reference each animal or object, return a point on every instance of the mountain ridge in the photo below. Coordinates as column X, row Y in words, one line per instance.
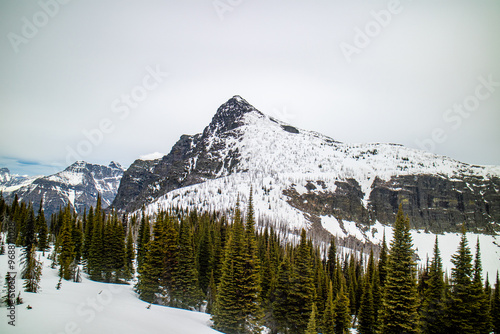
column 314, row 175
column 76, row 185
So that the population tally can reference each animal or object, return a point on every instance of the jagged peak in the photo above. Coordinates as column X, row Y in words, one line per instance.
column 115, row 165
column 229, row 115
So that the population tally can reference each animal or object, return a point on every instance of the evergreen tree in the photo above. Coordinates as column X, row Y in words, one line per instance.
column 311, row 324
column 433, row 307
column 143, row 239
column 28, row 242
column 399, row 313
column 232, row 312
column 87, row 237
column 118, row 253
column 205, row 259
column 367, row 318
column 129, row 256
column 67, row 248
column 382, row 264
column 32, row 273
column 95, row 261
column 480, row 307
column 328, row 325
column 186, row 293
column 171, row 256
column 342, row 313
column 302, row 290
column 282, row 301
column 152, row 272
column 211, row 293
column 42, row 229
column 495, row 307
column 332, row 258
column 251, row 280
column 12, row 230
column 459, row 309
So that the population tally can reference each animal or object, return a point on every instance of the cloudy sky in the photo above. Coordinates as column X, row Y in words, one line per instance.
column 116, row 80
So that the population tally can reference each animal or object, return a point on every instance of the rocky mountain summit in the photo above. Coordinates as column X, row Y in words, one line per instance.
column 303, row 178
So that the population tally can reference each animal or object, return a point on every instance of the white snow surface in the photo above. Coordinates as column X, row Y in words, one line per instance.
column 152, row 156
column 93, row 307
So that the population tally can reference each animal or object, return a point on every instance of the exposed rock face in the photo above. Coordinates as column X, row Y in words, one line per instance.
column 192, row 160
column 432, row 202
column 438, row 203
column 77, row 185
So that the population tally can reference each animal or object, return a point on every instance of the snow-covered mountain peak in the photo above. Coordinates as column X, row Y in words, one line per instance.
column 230, row 116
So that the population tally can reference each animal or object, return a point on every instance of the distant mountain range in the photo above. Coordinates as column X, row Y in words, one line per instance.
column 77, row 185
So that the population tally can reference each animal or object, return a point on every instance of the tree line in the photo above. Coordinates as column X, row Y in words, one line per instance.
column 248, row 278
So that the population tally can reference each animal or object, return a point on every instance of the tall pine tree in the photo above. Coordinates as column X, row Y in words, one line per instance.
column 495, row 307
column 480, row 302
column 433, row 307
column 399, row 312
column 459, row 310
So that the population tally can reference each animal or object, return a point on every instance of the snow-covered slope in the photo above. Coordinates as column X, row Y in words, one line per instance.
column 77, row 185
column 94, row 307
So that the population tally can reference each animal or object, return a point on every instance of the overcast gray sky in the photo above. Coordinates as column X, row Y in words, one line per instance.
column 87, row 79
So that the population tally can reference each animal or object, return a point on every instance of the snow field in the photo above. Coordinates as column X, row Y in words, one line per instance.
column 94, row 308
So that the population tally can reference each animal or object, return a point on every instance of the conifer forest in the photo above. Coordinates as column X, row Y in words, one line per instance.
column 249, row 279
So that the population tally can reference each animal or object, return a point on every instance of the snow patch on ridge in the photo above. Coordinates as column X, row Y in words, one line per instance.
column 152, row 156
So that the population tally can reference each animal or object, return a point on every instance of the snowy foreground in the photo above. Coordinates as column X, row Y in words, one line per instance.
column 94, row 308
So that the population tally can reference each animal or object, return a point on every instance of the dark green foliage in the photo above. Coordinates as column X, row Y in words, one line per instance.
column 237, row 306
column 495, row 307
column 152, row 269
column 282, row 302
column 302, row 286
column 382, row 263
column 41, row 229
column 480, row 302
column 342, row 311
column 88, row 220
column 433, row 306
column 185, row 292
column 32, row 273
column 367, row 311
column 95, row 260
column 66, row 247
column 399, row 311
column 143, row 238
column 459, row 310
column 312, row 327
column 328, row 323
